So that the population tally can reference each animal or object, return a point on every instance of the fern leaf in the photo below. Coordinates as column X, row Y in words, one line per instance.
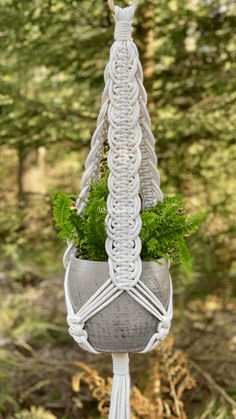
column 62, row 211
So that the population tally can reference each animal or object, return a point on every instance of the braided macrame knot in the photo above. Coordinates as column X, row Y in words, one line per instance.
column 123, row 19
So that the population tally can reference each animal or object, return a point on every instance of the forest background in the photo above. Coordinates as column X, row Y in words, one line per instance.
column 53, row 55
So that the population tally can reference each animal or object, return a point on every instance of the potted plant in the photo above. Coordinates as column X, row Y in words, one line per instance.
column 126, row 326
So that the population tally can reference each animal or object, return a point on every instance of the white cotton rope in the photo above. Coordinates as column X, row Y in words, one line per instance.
column 120, row 404
column 123, row 31
column 123, row 245
column 125, row 122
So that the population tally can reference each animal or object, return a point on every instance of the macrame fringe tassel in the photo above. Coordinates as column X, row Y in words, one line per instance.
column 120, row 396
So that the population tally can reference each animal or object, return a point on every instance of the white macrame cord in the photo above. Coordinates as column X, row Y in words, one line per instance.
column 132, row 163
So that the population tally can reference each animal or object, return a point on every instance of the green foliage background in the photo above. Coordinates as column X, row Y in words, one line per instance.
column 53, row 54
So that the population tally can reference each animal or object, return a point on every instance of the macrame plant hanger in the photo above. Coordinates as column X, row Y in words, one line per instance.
column 133, row 183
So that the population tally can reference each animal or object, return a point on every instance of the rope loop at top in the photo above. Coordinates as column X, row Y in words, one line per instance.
column 112, row 5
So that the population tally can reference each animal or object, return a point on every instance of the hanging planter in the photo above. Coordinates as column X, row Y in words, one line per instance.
column 124, row 325
column 116, row 301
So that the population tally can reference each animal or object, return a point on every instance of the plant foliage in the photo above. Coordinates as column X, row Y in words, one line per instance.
column 164, row 227
column 64, row 214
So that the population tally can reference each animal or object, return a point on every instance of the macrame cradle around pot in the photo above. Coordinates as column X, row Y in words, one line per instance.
column 122, row 305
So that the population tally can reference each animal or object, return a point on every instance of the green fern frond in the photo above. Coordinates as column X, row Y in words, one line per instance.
column 184, row 255
column 63, row 213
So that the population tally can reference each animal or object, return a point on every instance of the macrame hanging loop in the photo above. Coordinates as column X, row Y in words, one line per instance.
column 112, row 5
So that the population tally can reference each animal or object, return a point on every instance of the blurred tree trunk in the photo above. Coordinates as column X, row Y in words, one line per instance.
column 146, row 34
column 32, row 193
column 31, row 173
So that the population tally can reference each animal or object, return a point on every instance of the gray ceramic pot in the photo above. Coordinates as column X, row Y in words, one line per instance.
column 124, row 325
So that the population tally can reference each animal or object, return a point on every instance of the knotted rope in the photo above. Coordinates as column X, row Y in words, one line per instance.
column 123, row 220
